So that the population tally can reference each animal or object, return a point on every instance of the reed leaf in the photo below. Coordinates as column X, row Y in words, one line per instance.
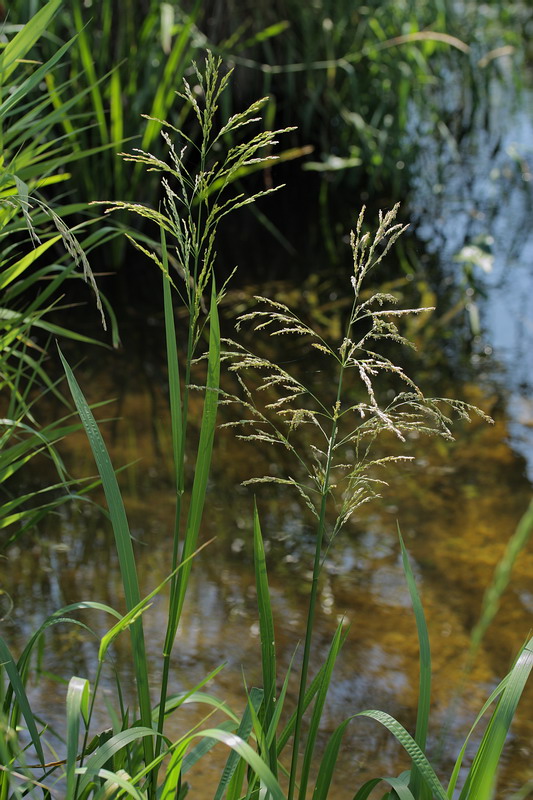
column 257, row 764
column 267, row 635
column 77, row 706
column 203, row 459
column 108, row 750
column 17, row 686
column 123, row 543
column 20, row 45
column 481, row 778
column 425, row 769
column 401, row 790
column 318, row 708
column 243, row 731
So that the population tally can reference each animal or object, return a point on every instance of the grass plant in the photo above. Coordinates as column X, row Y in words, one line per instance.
column 371, row 397
column 40, row 254
column 351, row 75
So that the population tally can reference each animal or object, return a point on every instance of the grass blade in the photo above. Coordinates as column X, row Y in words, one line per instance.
column 329, row 760
column 107, row 750
column 77, row 705
column 205, row 746
column 401, row 790
column 502, row 575
column 267, row 635
column 174, row 387
column 123, row 543
column 254, row 760
column 318, row 708
column 24, row 40
column 17, row 684
column 415, row 753
column 243, row 731
column 203, row 461
column 482, row 775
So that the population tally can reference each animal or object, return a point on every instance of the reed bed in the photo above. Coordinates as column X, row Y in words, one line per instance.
column 272, row 745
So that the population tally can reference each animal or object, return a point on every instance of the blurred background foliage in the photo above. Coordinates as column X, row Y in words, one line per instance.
column 347, row 75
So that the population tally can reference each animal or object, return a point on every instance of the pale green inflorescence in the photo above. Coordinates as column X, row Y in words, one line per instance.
column 341, row 426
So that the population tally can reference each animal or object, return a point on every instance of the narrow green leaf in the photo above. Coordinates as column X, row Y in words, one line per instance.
column 243, row 731
column 402, row 791
column 415, row 753
column 205, row 448
column 174, row 771
column 166, row 91
column 204, row 747
column 114, row 779
column 34, row 79
column 502, row 576
column 131, row 616
column 77, row 706
column 123, row 543
column 117, row 121
column 486, row 705
column 267, row 636
column 23, row 41
column 309, row 694
column 318, row 708
column 174, row 386
column 255, row 761
column 17, row 685
column 87, row 61
column 328, row 763
column 482, row 774
column 11, row 273
column 107, row 750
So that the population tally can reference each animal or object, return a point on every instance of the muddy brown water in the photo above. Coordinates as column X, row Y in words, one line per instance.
column 457, row 504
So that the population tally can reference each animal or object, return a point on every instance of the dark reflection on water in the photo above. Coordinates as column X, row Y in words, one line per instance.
column 457, row 504
column 472, row 204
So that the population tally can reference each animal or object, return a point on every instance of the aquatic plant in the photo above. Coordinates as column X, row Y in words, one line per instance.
column 350, row 74
column 40, row 254
column 134, row 756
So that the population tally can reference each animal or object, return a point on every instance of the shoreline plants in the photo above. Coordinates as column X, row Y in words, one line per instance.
column 40, row 254
column 272, row 754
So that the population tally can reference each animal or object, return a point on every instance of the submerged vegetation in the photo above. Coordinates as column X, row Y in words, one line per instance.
column 273, row 745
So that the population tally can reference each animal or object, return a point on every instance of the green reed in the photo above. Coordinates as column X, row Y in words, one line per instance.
column 371, row 398
column 40, row 254
column 192, row 209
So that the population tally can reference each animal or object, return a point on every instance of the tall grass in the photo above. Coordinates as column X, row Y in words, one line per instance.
column 271, row 752
column 347, row 76
column 40, row 254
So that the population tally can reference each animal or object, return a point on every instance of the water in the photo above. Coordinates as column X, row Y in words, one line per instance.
column 457, row 505
column 472, row 205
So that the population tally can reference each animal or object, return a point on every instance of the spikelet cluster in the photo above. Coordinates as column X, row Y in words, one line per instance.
column 198, row 189
column 338, row 462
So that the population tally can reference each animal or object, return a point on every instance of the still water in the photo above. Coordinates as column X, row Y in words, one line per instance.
column 457, row 504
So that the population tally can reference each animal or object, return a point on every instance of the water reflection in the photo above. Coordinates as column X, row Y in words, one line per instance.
column 472, row 203
column 457, row 504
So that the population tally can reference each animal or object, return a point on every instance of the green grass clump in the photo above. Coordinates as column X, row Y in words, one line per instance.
column 271, row 750
column 39, row 255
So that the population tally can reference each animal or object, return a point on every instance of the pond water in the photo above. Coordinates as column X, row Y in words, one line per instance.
column 457, row 503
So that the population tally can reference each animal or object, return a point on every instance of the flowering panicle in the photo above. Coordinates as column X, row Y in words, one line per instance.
column 339, row 464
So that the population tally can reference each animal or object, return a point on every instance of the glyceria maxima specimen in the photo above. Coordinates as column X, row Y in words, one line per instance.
column 197, row 183
column 339, row 466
